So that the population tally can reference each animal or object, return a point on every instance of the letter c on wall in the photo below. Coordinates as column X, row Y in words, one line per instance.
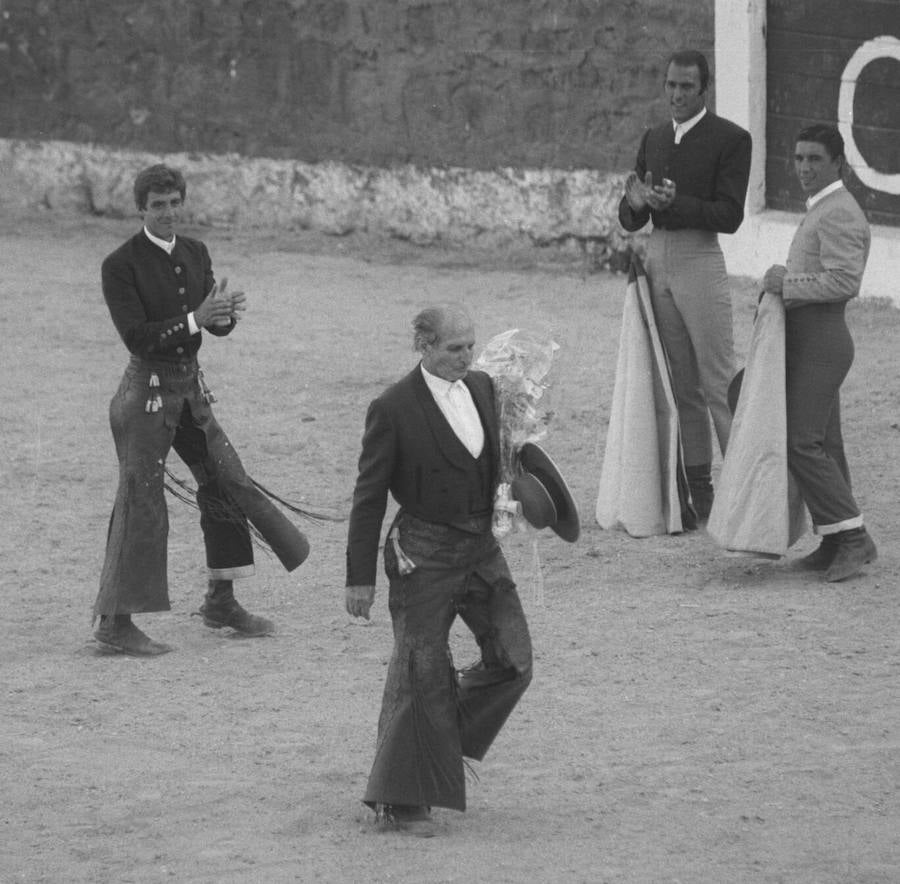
column 879, row 47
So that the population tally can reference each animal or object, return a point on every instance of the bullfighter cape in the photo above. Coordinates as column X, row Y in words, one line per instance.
column 641, row 480
column 758, row 508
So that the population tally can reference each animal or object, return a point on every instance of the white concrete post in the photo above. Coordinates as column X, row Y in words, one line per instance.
column 740, row 34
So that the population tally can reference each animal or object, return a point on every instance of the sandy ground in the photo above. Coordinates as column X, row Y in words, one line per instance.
column 694, row 717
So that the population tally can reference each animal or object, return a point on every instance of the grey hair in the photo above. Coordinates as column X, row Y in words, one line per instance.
column 430, row 322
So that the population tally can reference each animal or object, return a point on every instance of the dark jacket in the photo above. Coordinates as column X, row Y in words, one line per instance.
column 149, row 294
column 710, row 168
column 411, row 451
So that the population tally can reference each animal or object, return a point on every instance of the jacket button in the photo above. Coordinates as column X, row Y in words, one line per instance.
column 181, row 290
column 178, row 270
column 179, row 349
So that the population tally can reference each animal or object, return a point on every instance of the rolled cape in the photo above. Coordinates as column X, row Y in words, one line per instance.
column 758, row 508
column 642, row 484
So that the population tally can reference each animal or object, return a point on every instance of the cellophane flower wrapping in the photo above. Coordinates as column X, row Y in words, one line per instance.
column 518, row 363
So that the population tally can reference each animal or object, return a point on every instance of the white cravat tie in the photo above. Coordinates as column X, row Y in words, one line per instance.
column 462, row 415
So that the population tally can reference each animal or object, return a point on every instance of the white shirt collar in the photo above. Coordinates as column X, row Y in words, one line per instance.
column 460, row 410
column 164, row 244
column 438, row 386
column 816, row 197
column 682, row 128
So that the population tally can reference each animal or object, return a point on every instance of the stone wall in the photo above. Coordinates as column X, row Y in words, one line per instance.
column 469, row 83
column 540, row 206
column 441, row 119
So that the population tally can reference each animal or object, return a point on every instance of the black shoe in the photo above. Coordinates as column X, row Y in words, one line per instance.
column 119, row 635
column 221, row 609
column 821, row 557
column 410, row 819
column 854, row 549
column 219, row 614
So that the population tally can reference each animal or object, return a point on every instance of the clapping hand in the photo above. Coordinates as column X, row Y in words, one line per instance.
column 219, row 308
column 645, row 193
column 661, row 196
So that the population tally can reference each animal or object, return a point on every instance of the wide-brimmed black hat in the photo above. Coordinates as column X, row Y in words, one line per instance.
column 543, row 494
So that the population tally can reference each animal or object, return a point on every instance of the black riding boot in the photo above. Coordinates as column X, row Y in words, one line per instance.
column 220, row 608
column 854, row 549
column 700, row 484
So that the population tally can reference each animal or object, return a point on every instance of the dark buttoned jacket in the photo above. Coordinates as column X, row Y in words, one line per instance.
column 710, row 168
column 150, row 293
column 410, row 450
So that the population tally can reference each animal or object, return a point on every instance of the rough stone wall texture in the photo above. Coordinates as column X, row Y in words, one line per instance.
column 403, row 114
column 544, row 206
column 470, row 83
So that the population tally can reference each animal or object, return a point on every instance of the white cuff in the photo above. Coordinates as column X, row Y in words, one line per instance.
column 846, row 525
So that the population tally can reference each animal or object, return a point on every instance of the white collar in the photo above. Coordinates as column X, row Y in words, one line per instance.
column 687, row 125
column 438, row 386
column 820, row 195
column 164, row 244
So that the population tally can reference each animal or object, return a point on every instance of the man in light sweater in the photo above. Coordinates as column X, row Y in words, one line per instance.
column 824, row 270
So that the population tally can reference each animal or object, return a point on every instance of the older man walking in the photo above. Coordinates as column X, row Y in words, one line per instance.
column 431, row 440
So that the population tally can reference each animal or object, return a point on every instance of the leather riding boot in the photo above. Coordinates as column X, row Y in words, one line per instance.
column 120, row 636
column 854, row 549
column 821, row 557
column 406, row 818
column 220, row 609
column 700, row 484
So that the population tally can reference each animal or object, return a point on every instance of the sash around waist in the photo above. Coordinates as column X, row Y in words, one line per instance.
column 169, row 368
column 475, row 523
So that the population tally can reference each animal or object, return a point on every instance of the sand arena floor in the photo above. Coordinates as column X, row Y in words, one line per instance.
column 694, row 717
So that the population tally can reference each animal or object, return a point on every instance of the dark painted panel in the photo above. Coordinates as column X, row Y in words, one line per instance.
column 809, row 45
column 855, row 20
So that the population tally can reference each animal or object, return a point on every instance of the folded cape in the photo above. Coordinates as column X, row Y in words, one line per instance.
column 758, row 508
column 642, row 485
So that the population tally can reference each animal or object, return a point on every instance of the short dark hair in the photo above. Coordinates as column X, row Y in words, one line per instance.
column 428, row 324
column 691, row 58
column 828, row 136
column 159, row 178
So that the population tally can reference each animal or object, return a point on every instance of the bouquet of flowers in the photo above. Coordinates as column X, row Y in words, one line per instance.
column 518, row 363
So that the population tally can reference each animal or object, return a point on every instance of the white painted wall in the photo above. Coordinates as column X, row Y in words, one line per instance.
column 765, row 236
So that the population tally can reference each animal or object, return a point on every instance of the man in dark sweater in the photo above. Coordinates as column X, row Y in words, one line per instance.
column 690, row 179
column 161, row 293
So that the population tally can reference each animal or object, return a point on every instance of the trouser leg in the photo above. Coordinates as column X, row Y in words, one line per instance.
column 490, row 690
column 226, row 535
column 430, row 717
column 418, row 757
column 229, row 500
column 699, row 478
column 834, row 440
column 815, row 448
column 692, row 305
column 693, row 414
column 134, row 578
